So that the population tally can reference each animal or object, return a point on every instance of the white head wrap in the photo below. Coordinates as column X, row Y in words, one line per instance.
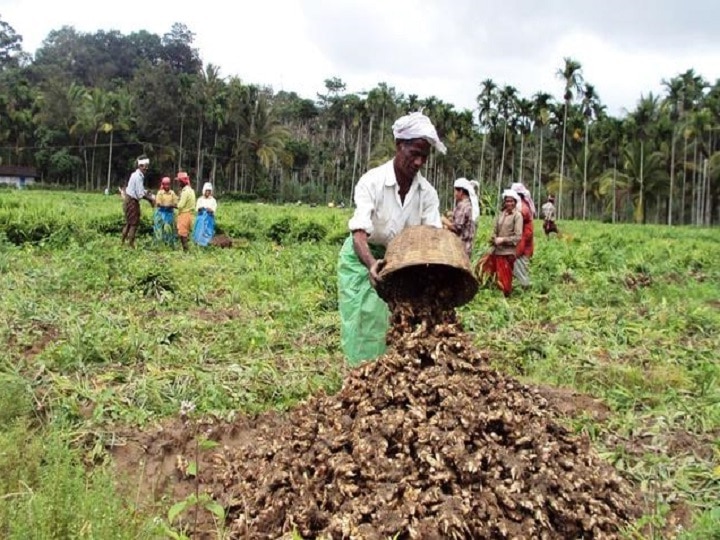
column 207, row 186
column 417, row 126
column 144, row 161
column 520, row 188
column 511, row 193
column 467, row 185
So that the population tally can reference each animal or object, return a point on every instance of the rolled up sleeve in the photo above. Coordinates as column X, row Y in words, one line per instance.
column 364, row 206
column 430, row 209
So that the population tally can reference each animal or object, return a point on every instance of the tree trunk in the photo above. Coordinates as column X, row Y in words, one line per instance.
column 585, row 165
column 682, row 206
column 502, row 164
column 369, row 148
column 693, row 197
column 614, row 189
column 94, row 182
column 180, row 153
column 562, row 163
column 641, row 208
column 482, row 157
column 199, row 162
column 522, row 151
column 110, row 153
column 672, row 177
column 540, row 159
column 214, row 161
column 356, row 158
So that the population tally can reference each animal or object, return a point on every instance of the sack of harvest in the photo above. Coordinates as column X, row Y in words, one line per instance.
column 425, row 264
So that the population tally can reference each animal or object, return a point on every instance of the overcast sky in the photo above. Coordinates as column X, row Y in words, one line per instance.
column 441, row 48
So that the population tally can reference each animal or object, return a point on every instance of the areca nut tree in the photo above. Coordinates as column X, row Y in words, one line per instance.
column 570, row 74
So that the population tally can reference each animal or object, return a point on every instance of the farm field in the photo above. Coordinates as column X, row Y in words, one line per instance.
column 103, row 344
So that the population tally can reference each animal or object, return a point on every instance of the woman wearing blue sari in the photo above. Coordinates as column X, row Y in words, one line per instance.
column 164, row 218
column 205, row 221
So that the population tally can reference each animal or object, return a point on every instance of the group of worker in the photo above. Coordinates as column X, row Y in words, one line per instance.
column 166, row 225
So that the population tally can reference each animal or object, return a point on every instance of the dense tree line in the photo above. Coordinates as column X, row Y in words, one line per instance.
column 87, row 104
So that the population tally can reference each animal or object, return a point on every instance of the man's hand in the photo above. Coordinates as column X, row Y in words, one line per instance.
column 375, row 270
column 446, row 223
column 499, row 240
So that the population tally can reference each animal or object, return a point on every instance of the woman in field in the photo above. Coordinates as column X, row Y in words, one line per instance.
column 548, row 215
column 507, row 230
column 205, row 224
column 185, row 207
column 525, row 247
column 465, row 214
column 166, row 202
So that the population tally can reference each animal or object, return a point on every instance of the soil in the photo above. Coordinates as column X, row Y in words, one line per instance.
column 44, row 333
column 425, row 442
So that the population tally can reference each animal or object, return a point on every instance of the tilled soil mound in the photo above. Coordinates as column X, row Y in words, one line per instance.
column 425, row 442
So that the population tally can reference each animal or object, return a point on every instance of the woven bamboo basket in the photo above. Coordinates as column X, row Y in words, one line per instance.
column 425, row 263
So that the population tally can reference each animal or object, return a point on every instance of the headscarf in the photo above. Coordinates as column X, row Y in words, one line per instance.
column 143, row 161
column 520, row 188
column 511, row 193
column 183, row 178
column 207, row 187
column 417, row 126
column 467, row 185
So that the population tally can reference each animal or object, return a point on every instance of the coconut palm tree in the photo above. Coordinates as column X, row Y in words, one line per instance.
column 570, row 74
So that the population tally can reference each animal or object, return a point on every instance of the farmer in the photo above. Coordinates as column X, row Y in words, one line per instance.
column 465, row 214
column 525, row 247
column 507, row 231
column 388, row 198
column 205, row 223
column 185, row 207
column 166, row 202
column 133, row 193
column 548, row 215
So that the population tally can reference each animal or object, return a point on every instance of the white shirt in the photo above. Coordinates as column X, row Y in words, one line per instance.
column 548, row 210
column 379, row 212
column 136, row 187
column 206, row 202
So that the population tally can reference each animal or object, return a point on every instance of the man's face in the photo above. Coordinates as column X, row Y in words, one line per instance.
column 410, row 156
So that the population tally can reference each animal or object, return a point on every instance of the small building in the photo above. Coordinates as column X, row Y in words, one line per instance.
column 17, row 175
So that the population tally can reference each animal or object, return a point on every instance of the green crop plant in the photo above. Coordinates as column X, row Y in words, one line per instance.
column 99, row 338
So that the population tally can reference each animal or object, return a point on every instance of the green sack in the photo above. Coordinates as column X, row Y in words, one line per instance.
column 364, row 316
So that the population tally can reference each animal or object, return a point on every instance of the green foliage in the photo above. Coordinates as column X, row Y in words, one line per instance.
column 280, row 230
column 46, row 491
column 100, row 337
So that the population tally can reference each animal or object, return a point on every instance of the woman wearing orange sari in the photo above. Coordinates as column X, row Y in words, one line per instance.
column 507, row 231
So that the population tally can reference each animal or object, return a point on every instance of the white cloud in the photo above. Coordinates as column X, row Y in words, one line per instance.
column 425, row 47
